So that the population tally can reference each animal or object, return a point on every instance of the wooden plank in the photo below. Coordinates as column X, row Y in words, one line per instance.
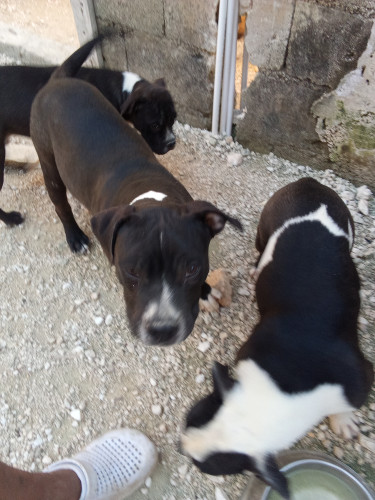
column 85, row 21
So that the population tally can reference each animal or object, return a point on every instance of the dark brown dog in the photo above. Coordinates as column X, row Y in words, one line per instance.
column 147, row 223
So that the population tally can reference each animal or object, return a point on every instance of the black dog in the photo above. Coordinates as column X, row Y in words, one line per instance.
column 302, row 362
column 149, row 106
column 147, row 223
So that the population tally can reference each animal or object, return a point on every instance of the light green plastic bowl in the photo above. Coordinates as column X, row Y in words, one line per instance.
column 313, row 476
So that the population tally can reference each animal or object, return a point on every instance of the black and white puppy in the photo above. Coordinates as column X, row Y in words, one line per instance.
column 145, row 220
column 149, row 106
column 302, row 362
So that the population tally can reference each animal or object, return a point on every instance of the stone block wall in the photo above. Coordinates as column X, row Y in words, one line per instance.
column 313, row 98
column 295, row 108
column 166, row 38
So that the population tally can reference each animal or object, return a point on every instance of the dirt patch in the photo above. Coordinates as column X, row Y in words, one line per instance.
column 65, row 343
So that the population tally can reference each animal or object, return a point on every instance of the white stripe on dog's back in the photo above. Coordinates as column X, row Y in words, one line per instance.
column 129, row 80
column 321, row 215
column 152, row 195
column 258, row 418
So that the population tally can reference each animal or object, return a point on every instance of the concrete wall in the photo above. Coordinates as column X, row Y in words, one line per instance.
column 312, row 101
column 313, row 98
column 173, row 39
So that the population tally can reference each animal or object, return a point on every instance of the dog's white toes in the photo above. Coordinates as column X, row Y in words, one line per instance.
column 210, row 304
column 344, row 424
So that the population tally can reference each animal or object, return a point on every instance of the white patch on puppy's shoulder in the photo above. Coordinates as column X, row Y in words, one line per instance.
column 257, row 418
column 129, row 80
column 320, row 215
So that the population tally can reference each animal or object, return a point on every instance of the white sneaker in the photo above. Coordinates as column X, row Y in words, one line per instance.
column 113, row 466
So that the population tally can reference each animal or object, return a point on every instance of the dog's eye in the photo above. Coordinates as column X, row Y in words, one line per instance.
column 192, row 270
column 155, row 126
column 132, row 274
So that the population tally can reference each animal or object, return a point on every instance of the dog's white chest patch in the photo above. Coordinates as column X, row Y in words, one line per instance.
column 320, row 215
column 129, row 80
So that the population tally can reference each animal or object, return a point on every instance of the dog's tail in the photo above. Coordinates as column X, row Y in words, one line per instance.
column 70, row 66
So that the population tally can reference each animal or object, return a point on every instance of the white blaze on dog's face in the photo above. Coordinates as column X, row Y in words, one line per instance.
column 162, row 319
column 244, row 422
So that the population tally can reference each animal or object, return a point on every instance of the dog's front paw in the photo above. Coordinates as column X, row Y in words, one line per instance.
column 344, row 424
column 211, row 302
column 11, row 218
column 78, row 242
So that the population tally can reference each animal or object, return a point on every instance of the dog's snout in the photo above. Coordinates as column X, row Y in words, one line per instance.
column 171, row 143
column 162, row 334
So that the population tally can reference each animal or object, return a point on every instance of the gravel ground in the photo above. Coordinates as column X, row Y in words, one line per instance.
column 70, row 368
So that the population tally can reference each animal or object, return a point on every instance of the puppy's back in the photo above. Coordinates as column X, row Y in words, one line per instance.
column 299, row 199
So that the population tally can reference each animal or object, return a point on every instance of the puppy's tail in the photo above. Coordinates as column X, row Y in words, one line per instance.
column 71, row 66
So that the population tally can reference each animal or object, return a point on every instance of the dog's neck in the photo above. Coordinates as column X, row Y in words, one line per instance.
column 154, row 195
column 129, row 80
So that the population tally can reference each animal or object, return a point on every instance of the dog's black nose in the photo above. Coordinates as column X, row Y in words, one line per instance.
column 162, row 334
column 171, row 144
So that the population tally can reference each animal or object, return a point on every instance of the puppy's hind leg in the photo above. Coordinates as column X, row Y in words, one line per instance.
column 76, row 238
column 10, row 218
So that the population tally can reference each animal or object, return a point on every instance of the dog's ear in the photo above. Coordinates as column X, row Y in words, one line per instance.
column 130, row 105
column 223, row 383
column 127, row 107
column 106, row 225
column 270, row 474
column 160, row 82
column 214, row 218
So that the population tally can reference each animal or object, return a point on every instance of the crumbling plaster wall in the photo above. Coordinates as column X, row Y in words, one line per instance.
column 173, row 39
column 313, row 98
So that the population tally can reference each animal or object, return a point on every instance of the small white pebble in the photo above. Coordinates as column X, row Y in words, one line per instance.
column 90, row 354
column 156, row 409
column 98, row 320
column 363, row 206
column 76, row 414
column 219, row 495
column 234, row 159
column 46, row 460
column 204, row 346
column 338, row 452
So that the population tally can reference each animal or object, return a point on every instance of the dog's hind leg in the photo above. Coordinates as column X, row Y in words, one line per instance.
column 10, row 218
column 76, row 238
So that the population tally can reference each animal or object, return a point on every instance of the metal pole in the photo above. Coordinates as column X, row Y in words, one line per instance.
column 232, row 71
column 227, row 65
column 219, row 65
